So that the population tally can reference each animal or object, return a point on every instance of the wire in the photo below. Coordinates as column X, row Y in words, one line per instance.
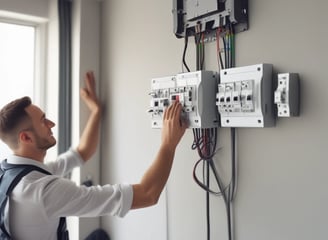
column 202, row 52
column 228, row 40
column 218, row 50
column 234, row 175
column 228, row 55
column 234, row 168
column 225, row 51
column 201, row 184
column 232, row 46
column 205, row 140
column 208, row 217
column 184, row 54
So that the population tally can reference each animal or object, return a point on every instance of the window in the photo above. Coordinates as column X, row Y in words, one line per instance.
column 17, row 65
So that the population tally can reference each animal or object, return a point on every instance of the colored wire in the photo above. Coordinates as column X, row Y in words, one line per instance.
column 218, row 50
column 225, row 51
column 232, row 46
column 228, row 57
column 205, row 140
column 200, row 142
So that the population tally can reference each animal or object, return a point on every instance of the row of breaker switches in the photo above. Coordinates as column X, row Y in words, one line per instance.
column 235, row 97
column 196, row 93
column 162, row 98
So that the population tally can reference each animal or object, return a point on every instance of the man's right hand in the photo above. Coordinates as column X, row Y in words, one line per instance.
column 173, row 126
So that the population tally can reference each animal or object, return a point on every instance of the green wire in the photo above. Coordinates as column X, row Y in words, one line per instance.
column 232, row 46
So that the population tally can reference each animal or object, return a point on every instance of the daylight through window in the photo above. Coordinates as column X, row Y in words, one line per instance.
column 17, row 65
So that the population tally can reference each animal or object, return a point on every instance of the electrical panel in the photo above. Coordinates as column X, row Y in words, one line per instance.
column 208, row 15
column 196, row 91
column 287, row 95
column 245, row 96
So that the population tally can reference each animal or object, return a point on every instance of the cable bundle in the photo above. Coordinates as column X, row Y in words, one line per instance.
column 205, row 140
column 228, row 40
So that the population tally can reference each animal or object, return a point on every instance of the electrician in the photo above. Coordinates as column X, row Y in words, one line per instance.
column 39, row 201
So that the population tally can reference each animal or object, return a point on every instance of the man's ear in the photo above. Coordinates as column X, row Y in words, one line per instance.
column 25, row 137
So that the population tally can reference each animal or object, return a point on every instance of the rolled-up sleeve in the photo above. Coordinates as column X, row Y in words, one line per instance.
column 62, row 197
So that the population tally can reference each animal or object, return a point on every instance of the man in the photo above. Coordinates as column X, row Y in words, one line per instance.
column 39, row 200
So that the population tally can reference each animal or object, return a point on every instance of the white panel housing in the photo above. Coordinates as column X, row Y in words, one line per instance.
column 245, row 96
column 196, row 91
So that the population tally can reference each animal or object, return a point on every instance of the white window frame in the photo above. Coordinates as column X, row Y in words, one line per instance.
column 40, row 25
column 41, row 86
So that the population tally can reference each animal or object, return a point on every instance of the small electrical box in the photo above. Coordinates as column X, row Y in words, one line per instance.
column 245, row 96
column 287, row 95
column 196, row 91
column 208, row 15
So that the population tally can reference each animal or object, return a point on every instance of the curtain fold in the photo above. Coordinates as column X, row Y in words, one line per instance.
column 65, row 75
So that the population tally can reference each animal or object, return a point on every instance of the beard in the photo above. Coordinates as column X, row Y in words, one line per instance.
column 43, row 143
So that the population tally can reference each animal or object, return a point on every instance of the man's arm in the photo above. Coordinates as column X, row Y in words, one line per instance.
column 148, row 191
column 90, row 135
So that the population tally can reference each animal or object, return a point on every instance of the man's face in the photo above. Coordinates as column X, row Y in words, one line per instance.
column 41, row 128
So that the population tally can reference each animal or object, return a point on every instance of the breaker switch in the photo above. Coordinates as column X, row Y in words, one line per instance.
column 287, row 95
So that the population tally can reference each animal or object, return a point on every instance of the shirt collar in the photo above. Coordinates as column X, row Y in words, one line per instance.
column 14, row 159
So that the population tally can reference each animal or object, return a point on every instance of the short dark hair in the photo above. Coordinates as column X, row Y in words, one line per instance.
column 12, row 116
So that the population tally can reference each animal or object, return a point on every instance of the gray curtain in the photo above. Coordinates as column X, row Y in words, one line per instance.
column 65, row 75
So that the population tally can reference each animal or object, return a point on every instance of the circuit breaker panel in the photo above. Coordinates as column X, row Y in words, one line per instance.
column 245, row 96
column 196, row 91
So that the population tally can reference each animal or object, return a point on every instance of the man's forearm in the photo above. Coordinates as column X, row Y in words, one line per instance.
column 153, row 181
column 90, row 136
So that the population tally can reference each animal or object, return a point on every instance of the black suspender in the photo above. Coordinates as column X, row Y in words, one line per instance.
column 10, row 175
column 62, row 232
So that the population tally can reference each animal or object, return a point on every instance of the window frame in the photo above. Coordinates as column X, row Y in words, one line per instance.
column 40, row 50
column 40, row 26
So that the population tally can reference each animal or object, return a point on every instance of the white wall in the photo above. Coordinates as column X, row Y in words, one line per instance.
column 85, row 57
column 282, row 192
column 128, row 145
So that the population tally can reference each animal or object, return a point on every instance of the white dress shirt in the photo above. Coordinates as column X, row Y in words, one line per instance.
column 39, row 200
